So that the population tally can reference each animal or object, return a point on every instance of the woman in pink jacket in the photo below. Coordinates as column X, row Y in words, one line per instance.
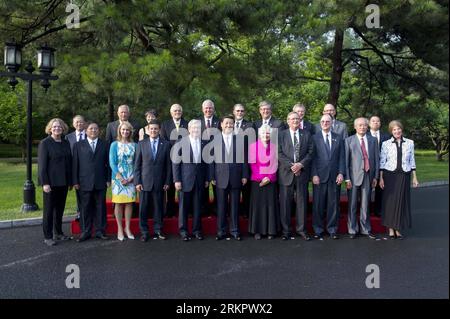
column 264, row 218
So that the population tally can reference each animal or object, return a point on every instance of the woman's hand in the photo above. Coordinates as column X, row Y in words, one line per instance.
column 381, row 183
column 264, row 181
column 415, row 182
column 47, row 188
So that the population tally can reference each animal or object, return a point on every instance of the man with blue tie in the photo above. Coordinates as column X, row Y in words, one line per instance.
column 152, row 175
column 327, row 171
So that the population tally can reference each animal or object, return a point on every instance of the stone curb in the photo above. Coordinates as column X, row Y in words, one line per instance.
column 67, row 219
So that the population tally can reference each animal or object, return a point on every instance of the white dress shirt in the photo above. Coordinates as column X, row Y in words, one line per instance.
column 324, row 135
column 376, row 134
column 90, row 143
column 196, row 149
column 365, row 142
column 80, row 135
column 227, row 138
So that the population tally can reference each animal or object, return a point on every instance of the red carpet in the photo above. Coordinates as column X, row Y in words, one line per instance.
column 209, row 224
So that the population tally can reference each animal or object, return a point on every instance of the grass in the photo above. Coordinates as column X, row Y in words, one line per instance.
column 13, row 177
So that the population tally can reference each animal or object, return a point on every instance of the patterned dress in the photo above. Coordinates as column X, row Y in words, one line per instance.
column 121, row 160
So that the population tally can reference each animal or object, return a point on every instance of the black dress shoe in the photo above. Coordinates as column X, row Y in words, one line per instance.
column 352, row 236
column 185, row 238
column 334, row 236
column 221, row 237
column 287, row 237
column 83, row 238
column 102, row 237
column 199, row 236
column 304, row 236
column 237, row 237
column 160, row 236
column 318, row 236
column 144, row 238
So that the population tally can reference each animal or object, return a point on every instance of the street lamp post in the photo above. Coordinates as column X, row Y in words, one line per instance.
column 46, row 64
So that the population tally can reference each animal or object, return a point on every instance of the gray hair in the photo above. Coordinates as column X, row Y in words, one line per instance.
column 299, row 105
column 263, row 129
column 265, row 103
column 173, row 106
column 361, row 118
column 194, row 122
column 206, row 102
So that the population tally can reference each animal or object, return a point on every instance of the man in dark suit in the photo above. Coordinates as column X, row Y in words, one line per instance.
column 241, row 126
column 327, row 170
column 152, row 176
column 190, row 174
column 362, row 171
column 173, row 130
column 209, row 123
column 306, row 125
column 295, row 152
column 123, row 113
column 229, row 173
column 79, row 134
column 265, row 109
column 375, row 125
column 92, row 176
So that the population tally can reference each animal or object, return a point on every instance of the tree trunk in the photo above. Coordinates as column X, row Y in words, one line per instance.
column 336, row 75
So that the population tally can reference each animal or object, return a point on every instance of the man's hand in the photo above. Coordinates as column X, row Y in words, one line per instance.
column 244, row 181
column 339, row 179
column 213, row 182
column 178, row 186
column 316, row 180
column 295, row 168
column 374, row 183
column 47, row 188
column 139, row 188
column 76, row 186
column 381, row 183
column 166, row 188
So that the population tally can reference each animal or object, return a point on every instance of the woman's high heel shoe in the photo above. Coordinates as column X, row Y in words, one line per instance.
column 120, row 238
column 130, row 235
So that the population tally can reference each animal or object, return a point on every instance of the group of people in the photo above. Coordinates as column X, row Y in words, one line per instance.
column 269, row 163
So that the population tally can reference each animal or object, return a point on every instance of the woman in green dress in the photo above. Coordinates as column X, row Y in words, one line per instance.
column 121, row 160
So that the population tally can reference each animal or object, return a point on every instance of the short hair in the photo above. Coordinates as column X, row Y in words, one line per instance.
column 90, row 123
column 155, row 122
column 48, row 127
column 127, row 125
column 208, row 102
column 291, row 113
column 124, row 106
column 229, row 117
column 174, row 106
column 265, row 103
column 370, row 118
column 299, row 105
column 151, row 112
column 78, row 117
column 238, row 104
column 326, row 115
column 263, row 129
column 194, row 122
column 393, row 124
column 334, row 107
column 360, row 118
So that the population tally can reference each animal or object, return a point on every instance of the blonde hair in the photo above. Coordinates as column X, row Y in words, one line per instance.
column 393, row 124
column 48, row 128
column 127, row 125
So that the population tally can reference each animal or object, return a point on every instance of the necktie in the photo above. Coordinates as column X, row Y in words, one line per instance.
column 80, row 137
column 328, row 145
column 177, row 125
column 93, row 146
column 154, row 149
column 365, row 156
column 296, row 148
column 377, row 135
column 238, row 125
column 228, row 144
column 208, row 123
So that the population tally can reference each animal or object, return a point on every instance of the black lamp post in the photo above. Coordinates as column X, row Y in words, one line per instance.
column 46, row 64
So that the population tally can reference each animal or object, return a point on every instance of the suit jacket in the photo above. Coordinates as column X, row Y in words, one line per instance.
column 245, row 124
column 326, row 164
column 152, row 174
column 286, row 157
column 72, row 139
column 309, row 127
column 54, row 163
column 388, row 156
column 383, row 137
column 226, row 169
column 273, row 122
column 215, row 122
column 339, row 128
column 111, row 131
column 168, row 126
column 355, row 162
column 188, row 173
column 91, row 170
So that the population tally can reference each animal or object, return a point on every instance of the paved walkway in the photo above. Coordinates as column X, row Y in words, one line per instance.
column 416, row 267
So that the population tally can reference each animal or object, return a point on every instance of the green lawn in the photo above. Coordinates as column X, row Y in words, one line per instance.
column 13, row 177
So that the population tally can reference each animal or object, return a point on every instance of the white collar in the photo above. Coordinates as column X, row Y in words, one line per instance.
column 90, row 141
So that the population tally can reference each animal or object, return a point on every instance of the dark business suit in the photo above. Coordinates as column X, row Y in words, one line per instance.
column 72, row 138
column 111, row 131
column 152, row 173
column 246, row 189
column 166, row 129
column 273, row 122
column 54, row 169
column 228, row 169
column 192, row 177
column 309, row 127
column 378, row 191
column 289, row 182
column 361, row 180
column 91, row 171
column 209, row 208
column 327, row 164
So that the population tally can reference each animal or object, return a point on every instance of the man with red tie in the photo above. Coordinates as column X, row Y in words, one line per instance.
column 362, row 169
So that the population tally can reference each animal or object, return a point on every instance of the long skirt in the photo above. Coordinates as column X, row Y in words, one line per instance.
column 396, row 205
column 264, row 216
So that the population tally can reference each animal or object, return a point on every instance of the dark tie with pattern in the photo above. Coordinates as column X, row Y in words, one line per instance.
column 296, row 148
column 365, row 156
